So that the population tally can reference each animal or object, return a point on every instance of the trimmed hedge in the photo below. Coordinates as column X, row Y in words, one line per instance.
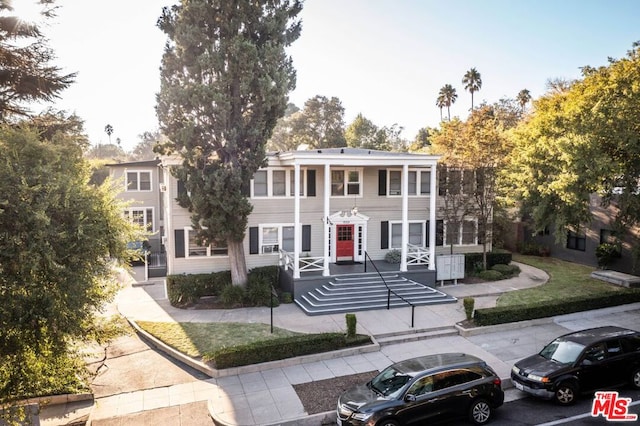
column 505, row 314
column 471, row 260
column 491, row 275
column 282, row 348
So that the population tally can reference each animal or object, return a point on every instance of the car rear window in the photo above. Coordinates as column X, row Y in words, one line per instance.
column 451, row 378
column 631, row 344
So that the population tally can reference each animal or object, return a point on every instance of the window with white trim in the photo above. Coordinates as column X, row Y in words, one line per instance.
column 142, row 216
column 416, row 233
column 346, row 182
column 465, row 233
column 419, row 182
column 274, row 182
column 194, row 249
column 276, row 236
column 138, row 180
column 469, row 232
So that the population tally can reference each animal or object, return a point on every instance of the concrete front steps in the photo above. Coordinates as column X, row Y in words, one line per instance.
column 361, row 292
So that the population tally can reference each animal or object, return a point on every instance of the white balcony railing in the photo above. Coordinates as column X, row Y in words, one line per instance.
column 306, row 264
column 417, row 255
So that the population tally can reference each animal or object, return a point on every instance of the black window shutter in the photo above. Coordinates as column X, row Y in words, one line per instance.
column 426, row 236
column 382, row 182
column 253, row 240
column 179, row 237
column 311, row 183
column 384, row 235
column 306, row 237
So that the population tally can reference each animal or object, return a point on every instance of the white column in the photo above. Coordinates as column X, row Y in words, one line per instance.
column 327, row 225
column 405, row 217
column 433, row 194
column 297, row 228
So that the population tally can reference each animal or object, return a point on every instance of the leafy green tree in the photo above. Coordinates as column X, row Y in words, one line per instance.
column 110, row 152
column 472, row 82
column 362, row 133
column 320, row 124
column 225, row 76
column 27, row 74
column 476, row 151
column 392, row 137
column 422, row 141
column 282, row 137
column 582, row 139
column 147, row 142
column 523, row 98
column 448, row 97
column 59, row 239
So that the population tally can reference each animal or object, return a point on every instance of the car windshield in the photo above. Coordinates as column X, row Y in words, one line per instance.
column 389, row 382
column 562, row 351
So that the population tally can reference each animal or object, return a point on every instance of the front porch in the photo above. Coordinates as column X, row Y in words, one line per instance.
column 359, row 286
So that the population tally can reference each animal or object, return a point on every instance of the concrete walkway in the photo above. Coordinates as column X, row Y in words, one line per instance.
column 264, row 394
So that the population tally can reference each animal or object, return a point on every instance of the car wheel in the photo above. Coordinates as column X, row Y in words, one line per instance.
column 635, row 378
column 566, row 393
column 387, row 422
column 479, row 412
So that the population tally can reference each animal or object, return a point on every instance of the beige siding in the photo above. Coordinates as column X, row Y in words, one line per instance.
column 281, row 211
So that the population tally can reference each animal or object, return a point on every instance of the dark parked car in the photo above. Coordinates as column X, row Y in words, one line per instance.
column 425, row 389
column 584, row 361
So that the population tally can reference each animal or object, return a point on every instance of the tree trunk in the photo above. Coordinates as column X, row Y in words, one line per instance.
column 237, row 263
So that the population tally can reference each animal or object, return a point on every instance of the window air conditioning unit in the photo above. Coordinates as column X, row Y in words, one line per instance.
column 163, row 187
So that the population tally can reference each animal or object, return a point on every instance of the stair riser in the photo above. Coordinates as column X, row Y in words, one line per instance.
column 410, row 338
column 369, row 299
column 332, row 309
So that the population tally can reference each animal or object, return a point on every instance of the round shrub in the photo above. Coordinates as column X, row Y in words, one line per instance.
column 491, row 275
column 506, row 270
column 232, row 296
column 468, row 303
column 393, row 256
column 258, row 291
column 286, row 297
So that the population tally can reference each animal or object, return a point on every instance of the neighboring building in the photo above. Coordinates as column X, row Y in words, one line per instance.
column 311, row 209
column 580, row 245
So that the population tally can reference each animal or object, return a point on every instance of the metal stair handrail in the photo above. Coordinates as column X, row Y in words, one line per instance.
column 389, row 291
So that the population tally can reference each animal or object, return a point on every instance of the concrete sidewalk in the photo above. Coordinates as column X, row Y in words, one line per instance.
column 264, row 394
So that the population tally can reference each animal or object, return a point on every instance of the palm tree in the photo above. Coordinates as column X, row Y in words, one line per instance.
column 524, row 96
column 108, row 129
column 472, row 82
column 449, row 96
column 440, row 103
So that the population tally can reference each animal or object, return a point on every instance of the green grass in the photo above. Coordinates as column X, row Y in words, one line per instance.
column 566, row 280
column 195, row 339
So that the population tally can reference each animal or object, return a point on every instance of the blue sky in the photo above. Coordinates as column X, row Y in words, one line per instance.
column 386, row 59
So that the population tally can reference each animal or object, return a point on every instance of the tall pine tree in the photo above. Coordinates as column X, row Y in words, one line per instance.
column 225, row 77
column 26, row 74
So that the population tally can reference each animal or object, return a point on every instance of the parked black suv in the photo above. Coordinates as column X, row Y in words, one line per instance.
column 425, row 389
column 581, row 362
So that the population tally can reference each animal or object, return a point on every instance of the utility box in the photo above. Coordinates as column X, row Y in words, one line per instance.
column 449, row 267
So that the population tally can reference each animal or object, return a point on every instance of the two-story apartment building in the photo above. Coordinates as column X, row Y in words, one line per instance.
column 311, row 209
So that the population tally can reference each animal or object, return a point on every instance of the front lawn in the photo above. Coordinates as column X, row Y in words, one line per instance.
column 566, row 280
column 195, row 339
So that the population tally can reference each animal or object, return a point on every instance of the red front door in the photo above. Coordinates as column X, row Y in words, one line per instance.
column 344, row 242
